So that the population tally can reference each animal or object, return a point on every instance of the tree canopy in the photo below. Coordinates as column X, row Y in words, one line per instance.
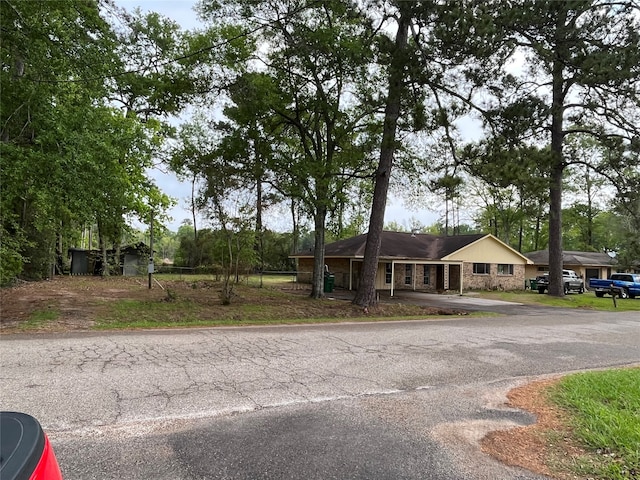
column 320, row 109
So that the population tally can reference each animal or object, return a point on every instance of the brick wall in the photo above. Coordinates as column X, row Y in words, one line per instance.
column 418, row 272
column 305, row 270
column 493, row 281
column 339, row 267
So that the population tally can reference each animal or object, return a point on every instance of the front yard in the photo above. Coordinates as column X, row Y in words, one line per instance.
column 90, row 303
column 587, row 300
column 86, row 302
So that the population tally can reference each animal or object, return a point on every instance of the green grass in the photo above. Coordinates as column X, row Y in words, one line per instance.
column 250, row 280
column 126, row 314
column 588, row 300
column 603, row 410
column 253, row 306
column 110, row 324
column 139, row 313
column 40, row 318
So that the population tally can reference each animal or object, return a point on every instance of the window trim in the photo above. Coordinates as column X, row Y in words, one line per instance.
column 486, row 268
column 408, row 274
column 426, row 275
column 388, row 274
column 510, row 269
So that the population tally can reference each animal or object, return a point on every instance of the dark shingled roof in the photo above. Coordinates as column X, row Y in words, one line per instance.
column 400, row 245
column 541, row 257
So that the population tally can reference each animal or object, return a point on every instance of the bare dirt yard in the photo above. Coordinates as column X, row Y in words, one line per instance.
column 81, row 302
column 77, row 303
column 546, row 446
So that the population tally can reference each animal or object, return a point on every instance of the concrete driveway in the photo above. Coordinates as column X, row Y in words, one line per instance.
column 468, row 302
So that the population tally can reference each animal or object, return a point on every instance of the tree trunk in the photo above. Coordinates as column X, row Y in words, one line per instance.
column 295, row 228
column 590, row 214
column 555, row 228
column 193, row 209
column 103, row 249
column 521, row 225
column 227, row 271
column 366, row 294
column 556, row 287
column 317, row 284
column 259, row 240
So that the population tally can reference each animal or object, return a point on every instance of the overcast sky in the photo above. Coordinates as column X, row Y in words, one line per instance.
column 182, row 12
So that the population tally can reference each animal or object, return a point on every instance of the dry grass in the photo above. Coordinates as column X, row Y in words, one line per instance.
column 81, row 303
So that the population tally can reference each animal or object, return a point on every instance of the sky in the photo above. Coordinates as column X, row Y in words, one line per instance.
column 181, row 11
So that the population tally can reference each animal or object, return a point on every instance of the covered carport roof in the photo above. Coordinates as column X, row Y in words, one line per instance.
column 570, row 257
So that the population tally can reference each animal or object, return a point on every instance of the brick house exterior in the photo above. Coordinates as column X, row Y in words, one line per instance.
column 424, row 262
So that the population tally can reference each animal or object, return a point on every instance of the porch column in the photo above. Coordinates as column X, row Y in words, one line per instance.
column 446, row 276
column 413, row 275
column 393, row 275
column 461, row 276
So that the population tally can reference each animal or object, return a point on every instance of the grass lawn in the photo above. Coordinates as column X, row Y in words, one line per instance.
column 587, row 300
column 181, row 301
column 40, row 317
column 602, row 410
column 83, row 302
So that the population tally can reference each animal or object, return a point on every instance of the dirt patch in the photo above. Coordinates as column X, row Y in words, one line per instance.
column 531, row 447
column 75, row 303
column 71, row 300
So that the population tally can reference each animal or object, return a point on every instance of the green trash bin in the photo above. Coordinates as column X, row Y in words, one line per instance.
column 329, row 281
column 534, row 284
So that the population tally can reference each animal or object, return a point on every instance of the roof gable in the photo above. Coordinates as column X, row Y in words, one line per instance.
column 488, row 247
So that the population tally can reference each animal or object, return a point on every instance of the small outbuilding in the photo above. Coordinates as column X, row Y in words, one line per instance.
column 424, row 262
column 132, row 260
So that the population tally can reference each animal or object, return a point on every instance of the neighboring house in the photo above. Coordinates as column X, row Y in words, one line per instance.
column 586, row 264
column 424, row 262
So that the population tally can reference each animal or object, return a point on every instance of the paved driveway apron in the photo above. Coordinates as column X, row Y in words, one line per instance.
column 404, row 400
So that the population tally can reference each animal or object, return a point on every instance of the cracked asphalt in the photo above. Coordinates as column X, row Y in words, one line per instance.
column 393, row 400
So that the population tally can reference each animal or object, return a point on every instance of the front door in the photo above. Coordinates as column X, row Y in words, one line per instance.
column 439, row 277
column 454, row 277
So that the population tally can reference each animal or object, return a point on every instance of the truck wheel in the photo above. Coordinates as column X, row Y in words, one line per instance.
column 599, row 294
column 624, row 293
column 540, row 290
column 581, row 291
column 566, row 288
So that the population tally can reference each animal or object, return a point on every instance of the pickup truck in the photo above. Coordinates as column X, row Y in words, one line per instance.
column 571, row 281
column 624, row 285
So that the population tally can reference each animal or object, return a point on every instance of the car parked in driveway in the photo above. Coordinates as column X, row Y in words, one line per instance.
column 624, row 285
column 570, row 279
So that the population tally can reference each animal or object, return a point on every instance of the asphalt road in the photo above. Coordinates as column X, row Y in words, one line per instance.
column 397, row 400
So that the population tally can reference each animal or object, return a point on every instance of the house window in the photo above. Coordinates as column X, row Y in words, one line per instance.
column 387, row 273
column 505, row 269
column 408, row 274
column 425, row 275
column 482, row 268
